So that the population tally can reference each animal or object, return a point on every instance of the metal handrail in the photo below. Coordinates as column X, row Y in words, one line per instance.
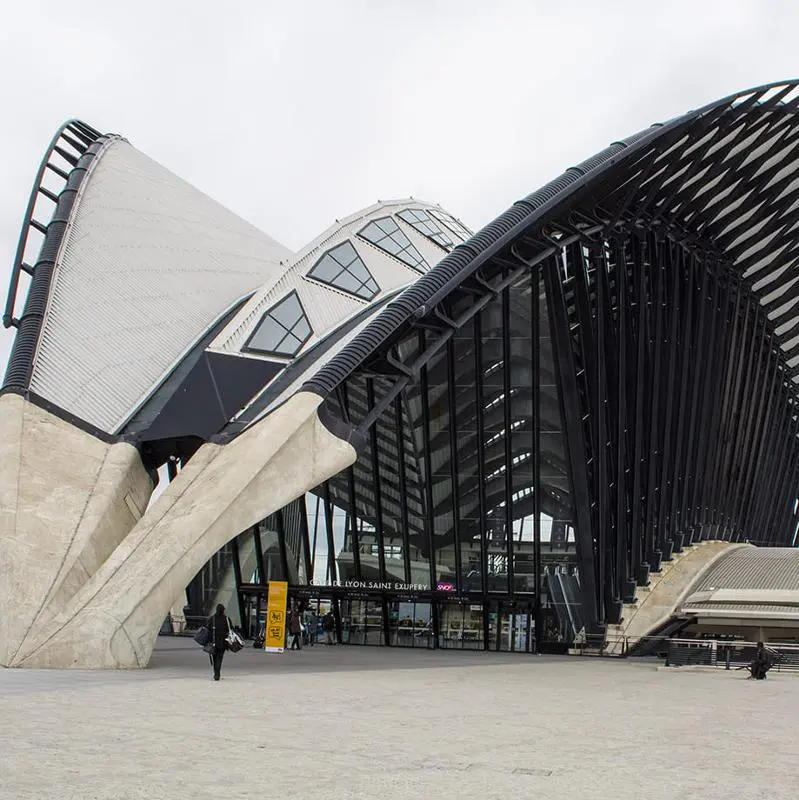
column 724, row 650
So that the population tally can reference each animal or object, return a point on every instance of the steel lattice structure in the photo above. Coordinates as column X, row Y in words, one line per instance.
column 668, row 264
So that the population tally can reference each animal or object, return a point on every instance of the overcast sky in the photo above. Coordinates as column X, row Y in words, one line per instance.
column 294, row 113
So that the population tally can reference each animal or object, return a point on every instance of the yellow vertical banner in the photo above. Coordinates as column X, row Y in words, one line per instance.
column 275, row 639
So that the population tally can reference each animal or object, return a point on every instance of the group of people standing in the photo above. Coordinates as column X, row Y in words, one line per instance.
column 308, row 623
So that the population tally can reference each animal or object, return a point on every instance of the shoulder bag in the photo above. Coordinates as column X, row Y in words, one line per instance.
column 234, row 641
column 203, row 636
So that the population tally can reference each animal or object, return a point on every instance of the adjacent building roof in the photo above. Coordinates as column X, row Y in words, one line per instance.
column 748, row 582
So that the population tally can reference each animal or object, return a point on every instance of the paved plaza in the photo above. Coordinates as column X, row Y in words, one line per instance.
column 355, row 722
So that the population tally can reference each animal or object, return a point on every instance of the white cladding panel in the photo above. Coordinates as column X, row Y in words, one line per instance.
column 147, row 265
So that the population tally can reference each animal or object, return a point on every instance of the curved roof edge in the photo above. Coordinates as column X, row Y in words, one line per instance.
column 87, row 143
column 466, row 258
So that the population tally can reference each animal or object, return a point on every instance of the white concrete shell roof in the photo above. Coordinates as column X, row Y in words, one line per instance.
column 147, row 265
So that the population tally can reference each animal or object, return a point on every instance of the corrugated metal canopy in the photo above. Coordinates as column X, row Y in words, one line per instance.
column 753, row 568
column 748, row 582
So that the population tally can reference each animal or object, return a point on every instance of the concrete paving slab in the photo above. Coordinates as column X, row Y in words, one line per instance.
column 355, row 722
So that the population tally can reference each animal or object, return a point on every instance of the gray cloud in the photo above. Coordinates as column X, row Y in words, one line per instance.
column 293, row 114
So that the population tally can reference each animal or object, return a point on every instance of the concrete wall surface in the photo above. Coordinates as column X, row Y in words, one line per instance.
column 113, row 621
column 67, row 499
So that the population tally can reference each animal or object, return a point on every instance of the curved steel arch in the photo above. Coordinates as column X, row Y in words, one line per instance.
column 671, row 267
column 68, row 156
column 610, row 166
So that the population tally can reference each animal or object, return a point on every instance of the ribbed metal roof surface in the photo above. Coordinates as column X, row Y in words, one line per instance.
column 772, row 568
column 147, row 265
column 743, row 608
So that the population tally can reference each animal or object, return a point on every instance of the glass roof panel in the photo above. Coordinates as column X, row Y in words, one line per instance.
column 350, row 275
column 385, row 234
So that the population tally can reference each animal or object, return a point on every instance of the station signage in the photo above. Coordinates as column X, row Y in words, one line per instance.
column 275, row 638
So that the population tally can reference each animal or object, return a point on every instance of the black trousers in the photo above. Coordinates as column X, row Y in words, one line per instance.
column 216, row 657
column 296, row 640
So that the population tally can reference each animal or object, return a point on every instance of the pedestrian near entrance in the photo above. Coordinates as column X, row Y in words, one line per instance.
column 295, row 629
column 220, row 629
column 329, row 627
column 311, row 623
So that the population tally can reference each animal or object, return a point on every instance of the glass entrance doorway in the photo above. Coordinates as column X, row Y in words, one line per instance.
column 254, row 614
column 362, row 621
column 461, row 625
column 410, row 623
column 511, row 627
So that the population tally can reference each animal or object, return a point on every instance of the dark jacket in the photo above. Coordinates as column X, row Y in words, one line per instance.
column 295, row 623
column 218, row 625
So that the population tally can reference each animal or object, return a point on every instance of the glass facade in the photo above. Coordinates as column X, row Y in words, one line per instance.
column 455, row 527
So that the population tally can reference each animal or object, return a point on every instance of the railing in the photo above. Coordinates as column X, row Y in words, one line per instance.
column 716, row 653
column 728, row 654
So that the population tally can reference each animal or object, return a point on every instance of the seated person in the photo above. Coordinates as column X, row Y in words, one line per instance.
column 765, row 659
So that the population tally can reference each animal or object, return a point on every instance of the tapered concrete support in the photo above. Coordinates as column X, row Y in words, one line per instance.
column 114, row 619
column 66, row 501
column 664, row 595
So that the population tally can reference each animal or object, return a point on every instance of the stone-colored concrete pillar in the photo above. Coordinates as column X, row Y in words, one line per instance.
column 66, row 501
column 114, row 620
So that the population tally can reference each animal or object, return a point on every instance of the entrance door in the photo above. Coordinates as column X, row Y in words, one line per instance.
column 460, row 625
column 353, row 620
column 373, row 631
column 510, row 626
column 254, row 614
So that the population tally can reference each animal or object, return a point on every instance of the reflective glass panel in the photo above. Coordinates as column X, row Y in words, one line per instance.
column 283, row 330
column 344, row 269
column 385, row 234
column 427, row 226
